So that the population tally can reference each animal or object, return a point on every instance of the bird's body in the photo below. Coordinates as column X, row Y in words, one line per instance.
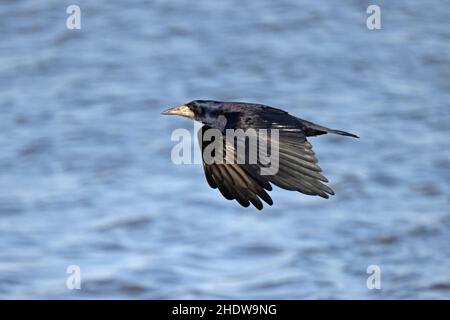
column 297, row 168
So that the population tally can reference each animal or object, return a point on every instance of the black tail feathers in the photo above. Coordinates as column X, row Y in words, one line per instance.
column 312, row 129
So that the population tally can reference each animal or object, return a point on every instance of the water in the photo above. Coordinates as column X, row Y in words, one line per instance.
column 86, row 177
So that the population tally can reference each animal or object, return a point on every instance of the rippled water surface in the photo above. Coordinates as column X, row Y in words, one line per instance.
column 85, row 171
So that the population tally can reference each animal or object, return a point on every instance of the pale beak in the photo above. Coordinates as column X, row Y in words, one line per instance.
column 182, row 110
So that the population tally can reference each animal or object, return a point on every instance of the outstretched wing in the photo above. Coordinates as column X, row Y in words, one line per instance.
column 298, row 168
column 298, row 165
column 233, row 180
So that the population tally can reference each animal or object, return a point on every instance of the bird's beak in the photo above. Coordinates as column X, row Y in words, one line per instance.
column 182, row 110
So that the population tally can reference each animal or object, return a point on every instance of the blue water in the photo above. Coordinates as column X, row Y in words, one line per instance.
column 85, row 171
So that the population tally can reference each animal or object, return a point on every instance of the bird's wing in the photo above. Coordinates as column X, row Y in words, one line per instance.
column 233, row 180
column 298, row 165
column 298, row 168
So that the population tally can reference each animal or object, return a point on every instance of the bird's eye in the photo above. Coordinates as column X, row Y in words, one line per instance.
column 201, row 111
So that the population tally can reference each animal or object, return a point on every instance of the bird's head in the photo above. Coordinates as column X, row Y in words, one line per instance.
column 198, row 110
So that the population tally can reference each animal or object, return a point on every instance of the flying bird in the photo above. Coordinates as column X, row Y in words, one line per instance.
column 298, row 168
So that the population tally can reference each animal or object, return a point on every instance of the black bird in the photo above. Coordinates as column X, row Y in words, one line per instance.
column 298, row 168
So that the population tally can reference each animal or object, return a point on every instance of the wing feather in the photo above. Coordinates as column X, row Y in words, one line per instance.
column 235, row 183
column 298, row 166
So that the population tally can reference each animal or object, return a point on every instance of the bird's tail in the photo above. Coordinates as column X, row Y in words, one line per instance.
column 312, row 129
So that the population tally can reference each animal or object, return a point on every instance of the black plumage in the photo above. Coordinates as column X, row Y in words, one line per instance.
column 298, row 165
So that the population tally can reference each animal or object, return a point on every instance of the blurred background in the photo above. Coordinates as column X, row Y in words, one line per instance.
column 85, row 171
